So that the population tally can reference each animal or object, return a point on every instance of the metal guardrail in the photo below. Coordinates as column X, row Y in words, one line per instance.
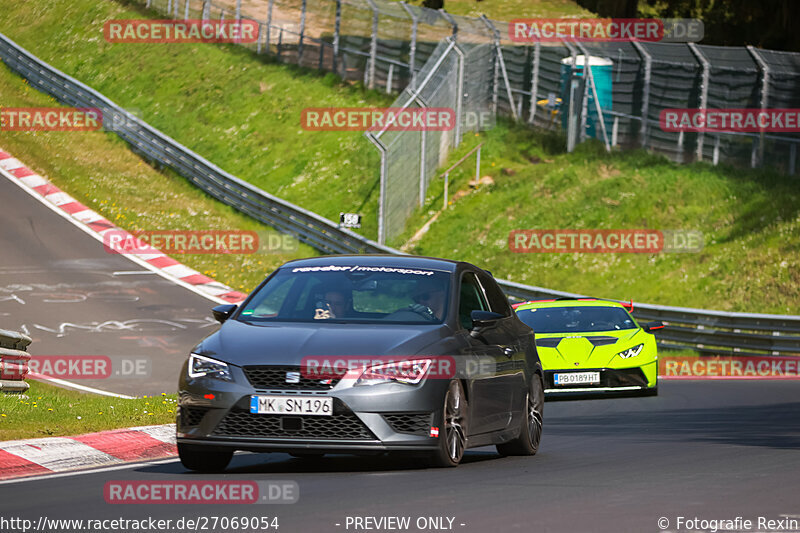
column 13, row 361
column 707, row 331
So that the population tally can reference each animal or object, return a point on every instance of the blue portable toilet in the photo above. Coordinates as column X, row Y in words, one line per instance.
column 602, row 71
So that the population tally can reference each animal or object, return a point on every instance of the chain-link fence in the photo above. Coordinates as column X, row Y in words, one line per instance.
column 394, row 46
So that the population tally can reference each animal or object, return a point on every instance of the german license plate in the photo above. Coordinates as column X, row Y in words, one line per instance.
column 577, row 378
column 287, row 405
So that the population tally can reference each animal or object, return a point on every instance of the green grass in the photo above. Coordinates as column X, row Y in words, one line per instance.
column 100, row 171
column 506, row 10
column 48, row 411
column 242, row 113
column 750, row 221
column 228, row 105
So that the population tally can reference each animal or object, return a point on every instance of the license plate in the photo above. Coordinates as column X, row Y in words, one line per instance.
column 577, row 378
column 286, row 405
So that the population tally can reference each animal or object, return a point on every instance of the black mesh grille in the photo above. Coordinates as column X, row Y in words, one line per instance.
column 274, row 377
column 413, row 423
column 191, row 416
column 339, row 426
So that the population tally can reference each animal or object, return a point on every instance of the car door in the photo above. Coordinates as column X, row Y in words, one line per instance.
column 511, row 363
column 489, row 405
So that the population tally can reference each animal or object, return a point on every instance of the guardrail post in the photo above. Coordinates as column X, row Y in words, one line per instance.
column 373, row 45
column 763, row 67
column 337, row 25
column 412, row 51
column 648, row 68
column 534, row 82
column 302, row 32
column 703, row 92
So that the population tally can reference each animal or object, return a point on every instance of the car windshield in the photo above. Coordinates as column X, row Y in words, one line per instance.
column 576, row 319
column 351, row 293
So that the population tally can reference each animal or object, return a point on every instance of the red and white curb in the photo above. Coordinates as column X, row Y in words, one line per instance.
column 97, row 225
column 35, row 457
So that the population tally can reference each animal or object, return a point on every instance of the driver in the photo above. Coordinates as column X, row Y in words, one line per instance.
column 339, row 302
column 430, row 296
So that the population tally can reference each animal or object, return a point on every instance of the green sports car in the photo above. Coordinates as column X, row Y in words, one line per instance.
column 592, row 347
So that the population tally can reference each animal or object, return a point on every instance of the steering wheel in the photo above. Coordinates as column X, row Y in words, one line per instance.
column 424, row 310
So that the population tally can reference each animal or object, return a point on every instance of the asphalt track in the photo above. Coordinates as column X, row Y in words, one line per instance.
column 72, row 297
column 706, row 449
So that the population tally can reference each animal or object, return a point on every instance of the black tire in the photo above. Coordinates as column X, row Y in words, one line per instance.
column 530, row 433
column 202, row 459
column 453, row 432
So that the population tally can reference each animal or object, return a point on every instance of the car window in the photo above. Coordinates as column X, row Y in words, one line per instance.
column 353, row 293
column 569, row 319
column 470, row 299
column 498, row 302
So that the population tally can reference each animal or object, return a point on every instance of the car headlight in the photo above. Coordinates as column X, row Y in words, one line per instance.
column 410, row 372
column 200, row 366
column 631, row 352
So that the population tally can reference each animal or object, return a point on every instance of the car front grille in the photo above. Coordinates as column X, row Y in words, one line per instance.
column 274, row 377
column 344, row 426
column 411, row 423
column 191, row 416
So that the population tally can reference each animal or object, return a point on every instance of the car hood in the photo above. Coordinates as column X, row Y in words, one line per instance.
column 587, row 350
column 250, row 343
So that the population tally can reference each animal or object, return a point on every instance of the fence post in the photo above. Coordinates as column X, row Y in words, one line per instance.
column 389, row 78
column 269, row 22
column 206, row 10
column 496, row 74
column 260, row 31
column 459, row 96
column 648, row 67
column 373, row 45
column 501, row 62
column 412, row 52
column 703, row 92
column 792, row 158
column 147, row 5
column 177, row 9
column 764, row 68
column 450, row 20
column 302, row 32
column 587, row 74
column 337, row 25
column 186, row 10
column 169, row 7
column 382, row 195
column 238, row 10
column 534, row 82
column 446, row 185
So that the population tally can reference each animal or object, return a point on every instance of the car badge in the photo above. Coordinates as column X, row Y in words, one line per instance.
column 293, row 377
column 576, row 364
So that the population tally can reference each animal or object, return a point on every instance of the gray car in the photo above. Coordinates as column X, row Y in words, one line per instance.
column 363, row 354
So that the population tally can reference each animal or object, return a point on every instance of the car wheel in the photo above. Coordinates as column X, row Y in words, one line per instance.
column 530, row 433
column 453, row 436
column 201, row 459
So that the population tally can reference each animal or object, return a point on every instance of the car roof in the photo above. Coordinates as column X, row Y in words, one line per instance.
column 568, row 302
column 388, row 260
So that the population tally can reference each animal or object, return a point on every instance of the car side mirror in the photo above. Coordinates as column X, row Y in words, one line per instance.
column 650, row 326
column 484, row 319
column 223, row 312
